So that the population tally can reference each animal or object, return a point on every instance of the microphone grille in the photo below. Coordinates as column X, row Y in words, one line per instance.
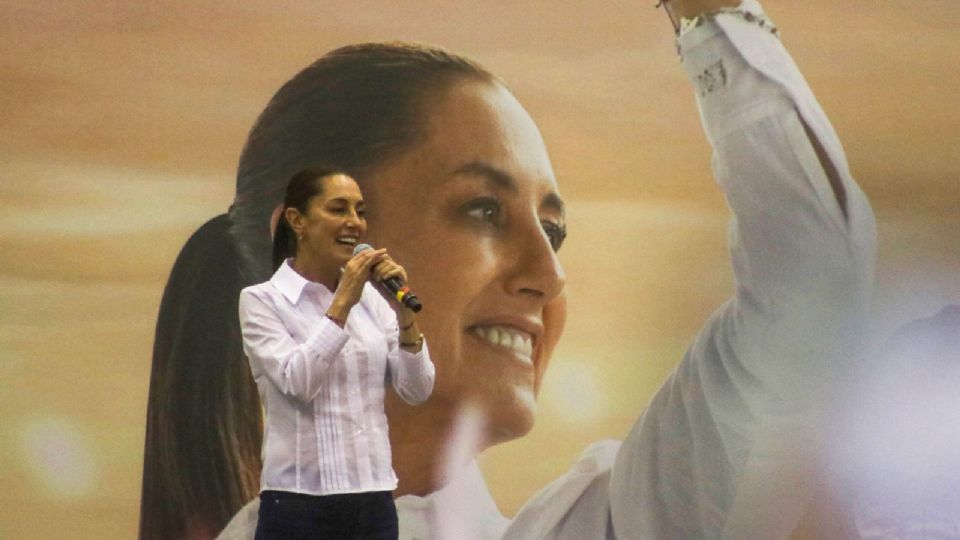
column 361, row 248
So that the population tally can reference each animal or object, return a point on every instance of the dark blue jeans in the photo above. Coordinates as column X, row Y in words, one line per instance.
column 350, row 516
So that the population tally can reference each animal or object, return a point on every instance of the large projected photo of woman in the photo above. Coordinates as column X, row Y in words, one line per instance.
column 652, row 258
column 460, row 189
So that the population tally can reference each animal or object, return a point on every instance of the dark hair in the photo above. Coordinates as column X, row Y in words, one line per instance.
column 353, row 109
column 304, row 185
column 204, row 427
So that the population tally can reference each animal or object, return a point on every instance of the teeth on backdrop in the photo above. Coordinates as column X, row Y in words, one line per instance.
column 503, row 338
column 527, row 346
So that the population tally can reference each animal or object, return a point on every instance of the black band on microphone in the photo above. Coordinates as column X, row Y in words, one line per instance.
column 401, row 292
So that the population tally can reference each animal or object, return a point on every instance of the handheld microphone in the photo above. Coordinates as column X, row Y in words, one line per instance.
column 400, row 291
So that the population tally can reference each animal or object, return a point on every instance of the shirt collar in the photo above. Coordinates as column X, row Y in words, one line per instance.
column 289, row 282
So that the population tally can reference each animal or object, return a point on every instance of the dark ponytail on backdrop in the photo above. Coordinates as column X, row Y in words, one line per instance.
column 204, row 427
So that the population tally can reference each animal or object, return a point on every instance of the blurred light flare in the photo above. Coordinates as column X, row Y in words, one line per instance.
column 574, row 393
column 896, row 450
column 456, row 516
column 59, row 457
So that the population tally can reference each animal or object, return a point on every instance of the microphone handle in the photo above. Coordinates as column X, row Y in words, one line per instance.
column 403, row 294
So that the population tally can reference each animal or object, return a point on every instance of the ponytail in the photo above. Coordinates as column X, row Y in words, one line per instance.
column 204, row 423
column 284, row 245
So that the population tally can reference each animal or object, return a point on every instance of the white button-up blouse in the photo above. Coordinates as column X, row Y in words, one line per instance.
column 322, row 386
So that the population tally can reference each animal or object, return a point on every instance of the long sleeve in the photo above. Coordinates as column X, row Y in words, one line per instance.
column 297, row 370
column 720, row 452
column 412, row 374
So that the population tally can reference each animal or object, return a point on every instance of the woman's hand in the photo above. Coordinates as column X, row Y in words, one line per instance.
column 388, row 268
column 406, row 319
column 350, row 287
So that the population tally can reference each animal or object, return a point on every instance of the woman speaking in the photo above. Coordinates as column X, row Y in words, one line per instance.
column 321, row 342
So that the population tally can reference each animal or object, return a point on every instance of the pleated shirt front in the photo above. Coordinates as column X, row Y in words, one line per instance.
column 322, row 386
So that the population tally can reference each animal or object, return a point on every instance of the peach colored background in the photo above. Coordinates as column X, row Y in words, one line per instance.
column 121, row 122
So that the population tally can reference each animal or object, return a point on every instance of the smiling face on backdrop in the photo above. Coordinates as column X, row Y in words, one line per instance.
column 474, row 215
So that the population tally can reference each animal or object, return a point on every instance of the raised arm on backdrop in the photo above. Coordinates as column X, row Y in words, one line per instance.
column 729, row 445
